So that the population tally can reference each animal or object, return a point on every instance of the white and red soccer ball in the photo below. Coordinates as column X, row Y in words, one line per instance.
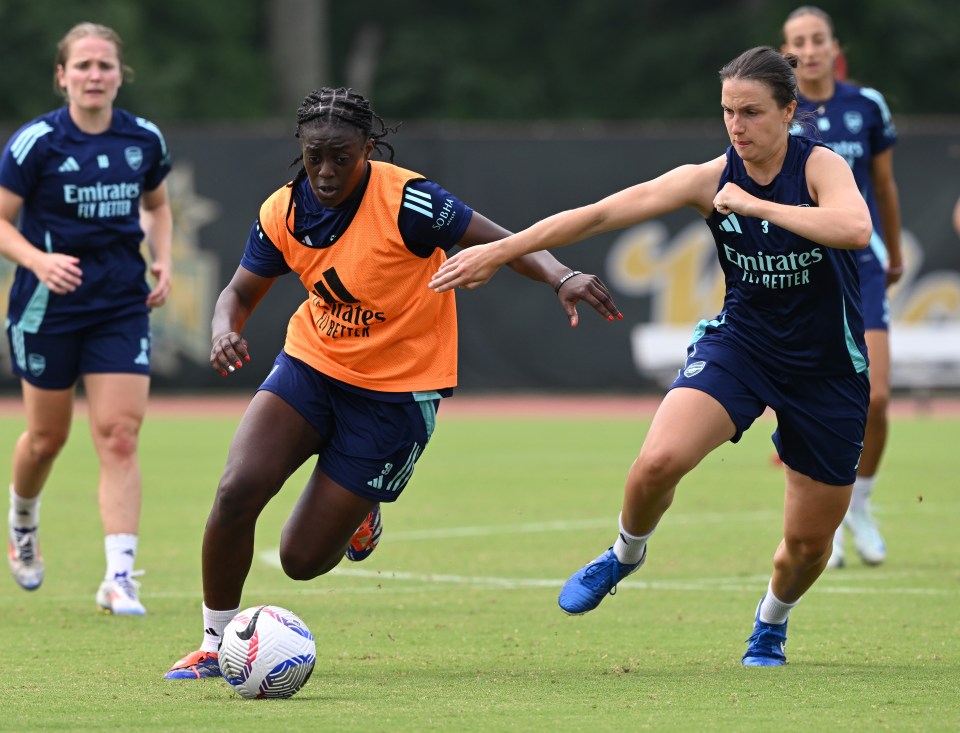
column 267, row 652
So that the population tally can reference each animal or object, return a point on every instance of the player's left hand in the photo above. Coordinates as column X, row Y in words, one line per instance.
column 591, row 290
column 731, row 199
column 158, row 296
column 467, row 269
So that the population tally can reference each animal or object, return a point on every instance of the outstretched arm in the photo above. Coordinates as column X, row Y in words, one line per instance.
column 544, row 267
column 688, row 185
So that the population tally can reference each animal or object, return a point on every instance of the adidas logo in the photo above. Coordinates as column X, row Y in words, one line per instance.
column 401, row 476
column 142, row 357
column 332, row 289
column 69, row 165
column 730, row 224
column 211, row 632
column 418, row 201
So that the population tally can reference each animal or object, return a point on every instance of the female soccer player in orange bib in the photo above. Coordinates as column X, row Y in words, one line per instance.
column 368, row 355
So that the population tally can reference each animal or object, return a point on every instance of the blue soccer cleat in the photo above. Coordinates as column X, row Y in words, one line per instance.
column 765, row 645
column 195, row 666
column 591, row 583
column 365, row 539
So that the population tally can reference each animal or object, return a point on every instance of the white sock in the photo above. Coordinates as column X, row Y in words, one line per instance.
column 772, row 609
column 121, row 552
column 214, row 622
column 23, row 512
column 862, row 489
column 629, row 548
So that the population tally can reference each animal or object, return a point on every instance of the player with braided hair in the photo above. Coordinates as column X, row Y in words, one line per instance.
column 367, row 358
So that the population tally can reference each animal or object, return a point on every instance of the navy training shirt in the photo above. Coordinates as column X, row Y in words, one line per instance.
column 856, row 124
column 81, row 197
column 791, row 304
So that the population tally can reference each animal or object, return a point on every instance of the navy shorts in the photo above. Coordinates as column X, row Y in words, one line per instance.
column 873, row 292
column 56, row 361
column 820, row 420
column 370, row 446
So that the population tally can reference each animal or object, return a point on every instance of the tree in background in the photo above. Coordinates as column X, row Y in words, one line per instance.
column 473, row 59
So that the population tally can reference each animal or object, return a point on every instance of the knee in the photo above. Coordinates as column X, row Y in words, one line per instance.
column 808, row 550
column 45, row 446
column 297, row 567
column 120, row 439
column 236, row 501
column 657, row 471
column 300, row 565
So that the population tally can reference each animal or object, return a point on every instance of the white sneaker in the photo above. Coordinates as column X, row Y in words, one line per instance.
column 119, row 595
column 866, row 536
column 837, row 559
column 23, row 553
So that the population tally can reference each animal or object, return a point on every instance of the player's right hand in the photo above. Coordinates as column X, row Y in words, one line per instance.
column 59, row 272
column 229, row 352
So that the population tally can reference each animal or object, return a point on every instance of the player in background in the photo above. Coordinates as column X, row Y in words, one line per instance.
column 367, row 358
column 786, row 217
column 87, row 183
column 855, row 122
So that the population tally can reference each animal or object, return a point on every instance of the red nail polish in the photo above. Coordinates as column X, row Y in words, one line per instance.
column 239, row 364
column 620, row 316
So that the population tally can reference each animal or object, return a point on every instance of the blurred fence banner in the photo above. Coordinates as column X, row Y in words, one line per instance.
column 513, row 334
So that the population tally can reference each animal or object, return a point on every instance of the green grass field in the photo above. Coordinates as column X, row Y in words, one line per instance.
column 453, row 625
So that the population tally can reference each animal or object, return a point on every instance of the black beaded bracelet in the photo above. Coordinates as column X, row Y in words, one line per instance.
column 563, row 279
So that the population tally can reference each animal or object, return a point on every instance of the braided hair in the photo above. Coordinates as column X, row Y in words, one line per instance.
column 339, row 107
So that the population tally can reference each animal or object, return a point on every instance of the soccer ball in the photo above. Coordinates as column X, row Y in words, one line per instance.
column 267, row 651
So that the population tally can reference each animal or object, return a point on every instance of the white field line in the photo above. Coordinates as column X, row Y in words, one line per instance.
column 675, row 518
column 411, row 582
column 563, row 525
column 827, row 582
column 480, row 582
